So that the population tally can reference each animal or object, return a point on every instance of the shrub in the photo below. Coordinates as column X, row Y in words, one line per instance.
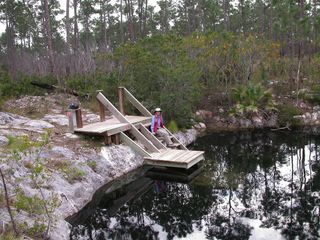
column 73, row 174
column 37, row 230
column 252, row 98
column 32, row 205
column 286, row 115
column 172, row 126
column 93, row 165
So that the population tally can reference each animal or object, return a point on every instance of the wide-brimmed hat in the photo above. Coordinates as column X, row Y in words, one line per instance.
column 158, row 110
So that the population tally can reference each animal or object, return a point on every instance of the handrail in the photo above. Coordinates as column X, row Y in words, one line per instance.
column 135, row 102
column 101, row 98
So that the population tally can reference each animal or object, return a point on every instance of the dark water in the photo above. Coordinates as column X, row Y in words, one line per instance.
column 253, row 185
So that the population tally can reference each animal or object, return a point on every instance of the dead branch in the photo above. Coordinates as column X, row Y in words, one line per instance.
column 8, row 203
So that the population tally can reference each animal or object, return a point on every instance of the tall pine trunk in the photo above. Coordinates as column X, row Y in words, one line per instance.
column 49, row 36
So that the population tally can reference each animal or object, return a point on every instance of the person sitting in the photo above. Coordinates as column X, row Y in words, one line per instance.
column 157, row 127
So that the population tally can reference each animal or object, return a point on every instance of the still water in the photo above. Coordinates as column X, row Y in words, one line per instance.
column 252, row 185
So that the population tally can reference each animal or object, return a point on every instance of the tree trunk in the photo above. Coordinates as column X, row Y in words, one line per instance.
column 226, row 14
column 145, row 19
column 314, row 20
column 49, row 35
column 67, row 24
column 76, row 30
column 241, row 10
column 121, row 23
column 130, row 20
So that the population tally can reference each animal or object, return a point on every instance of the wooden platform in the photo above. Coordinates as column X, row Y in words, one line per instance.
column 132, row 131
column 112, row 125
column 175, row 158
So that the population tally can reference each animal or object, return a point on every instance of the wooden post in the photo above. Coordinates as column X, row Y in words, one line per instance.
column 107, row 140
column 116, row 139
column 79, row 118
column 121, row 99
column 102, row 109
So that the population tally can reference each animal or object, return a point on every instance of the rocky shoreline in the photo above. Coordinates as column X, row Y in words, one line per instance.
column 309, row 121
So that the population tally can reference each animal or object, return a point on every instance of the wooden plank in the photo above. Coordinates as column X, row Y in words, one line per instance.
column 111, row 108
column 102, row 112
column 175, row 140
column 163, row 163
column 171, row 155
column 118, row 129
column 150, row 136
column 121, row 99
column 175, row 155
column 102, row 127
column 162, row 153
column 189, row 157
column 124, row 138
column 143, row 139
column 195, row 161
column 136, row 103
column 123, row 119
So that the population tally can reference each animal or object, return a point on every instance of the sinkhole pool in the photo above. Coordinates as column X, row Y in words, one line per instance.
column 252, row 185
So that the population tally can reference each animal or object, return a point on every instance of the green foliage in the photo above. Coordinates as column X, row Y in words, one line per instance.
column 93, row 165
column 252, row 98
column 314, row 96
column 32, row 205
column 2, row 200
column 173, row 127
column 10, row 235
column 286, row 115
column 36, row 230
column 10, row 87
column 71, row 173
column 160, row 71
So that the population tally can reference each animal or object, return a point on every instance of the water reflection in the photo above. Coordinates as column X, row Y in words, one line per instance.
column 254, row 185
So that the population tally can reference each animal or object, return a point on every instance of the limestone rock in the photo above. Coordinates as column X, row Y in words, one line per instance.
column 3, row 141
column 187, row 137
column 91, row 118
column 71, row 135
column 316, row 108
column 257, row 121
column 39, row 124
column 204, row 114
column 59, row 119
column 246, row 123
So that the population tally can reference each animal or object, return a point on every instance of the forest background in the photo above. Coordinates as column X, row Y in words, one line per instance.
column 177, row 54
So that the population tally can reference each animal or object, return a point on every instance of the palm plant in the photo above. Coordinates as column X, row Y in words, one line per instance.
column 252, row 98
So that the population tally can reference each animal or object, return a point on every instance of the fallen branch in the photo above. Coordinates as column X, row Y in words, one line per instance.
column 8, row 203
column 287, row 127
column 66, row 90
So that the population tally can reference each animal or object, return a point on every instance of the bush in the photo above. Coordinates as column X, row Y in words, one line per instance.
column 172, row 126
column 252, row 98
column 32, row 205
column 286, row 115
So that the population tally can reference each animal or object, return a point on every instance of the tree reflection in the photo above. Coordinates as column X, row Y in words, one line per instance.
column 253, row 175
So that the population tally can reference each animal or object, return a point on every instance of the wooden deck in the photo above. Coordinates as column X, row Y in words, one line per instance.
column 149, row 147
column 175, row 158
column 113, row 126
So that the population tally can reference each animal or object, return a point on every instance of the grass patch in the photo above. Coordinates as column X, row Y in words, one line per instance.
column 71, row 173
column 93, row 165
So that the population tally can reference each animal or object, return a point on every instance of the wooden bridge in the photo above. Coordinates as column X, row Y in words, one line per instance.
column 132, row 130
